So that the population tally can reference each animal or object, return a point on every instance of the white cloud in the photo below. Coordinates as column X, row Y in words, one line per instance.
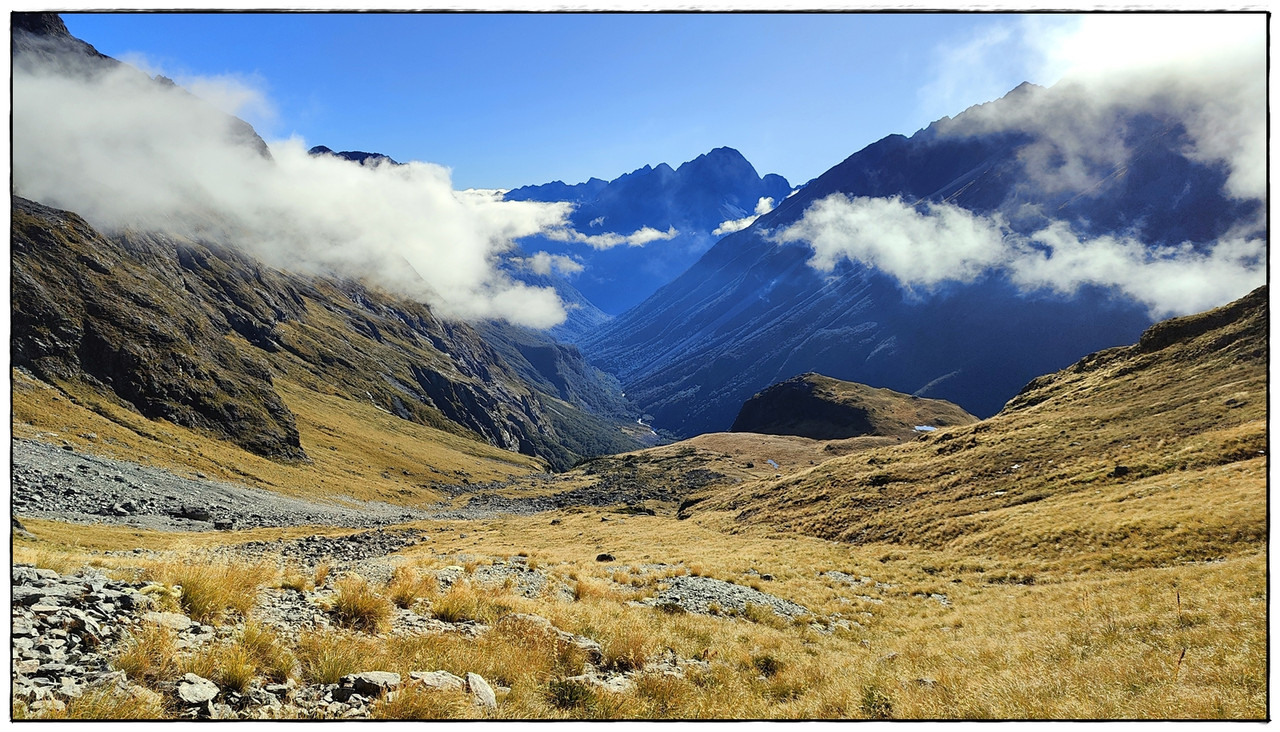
column 763, row 206
column 543, row 263
column 637, row 238
column 1208, row 70
column 127, row 152
column 925, row 245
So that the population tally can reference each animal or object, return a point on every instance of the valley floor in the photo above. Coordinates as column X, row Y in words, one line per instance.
column 609, row 612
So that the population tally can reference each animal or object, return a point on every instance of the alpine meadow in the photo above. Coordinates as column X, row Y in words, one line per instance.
column 376, row 366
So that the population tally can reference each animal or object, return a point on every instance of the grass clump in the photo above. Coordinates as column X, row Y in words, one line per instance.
column 101, row 703
column 149, row 654
column 358, row 607
column 875, row 703
column 407, row 587
column 464, row 602
column 211, row 590
column 569, row 694
column 325, row 657
column 416, row 703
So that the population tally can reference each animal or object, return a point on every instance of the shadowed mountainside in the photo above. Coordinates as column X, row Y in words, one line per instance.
column 193, row 331
column 752, row 312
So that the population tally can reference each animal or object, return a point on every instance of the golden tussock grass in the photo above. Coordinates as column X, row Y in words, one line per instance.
column 358, row 606
column 210, row 589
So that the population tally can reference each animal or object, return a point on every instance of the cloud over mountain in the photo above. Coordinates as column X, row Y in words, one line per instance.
column 927, row 244
column 126, row 151
column 1130, row 83
column 1207, row 70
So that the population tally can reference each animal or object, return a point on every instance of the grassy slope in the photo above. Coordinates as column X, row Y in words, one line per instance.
column 1136, row 456
column 792, row 408
column 357, row 450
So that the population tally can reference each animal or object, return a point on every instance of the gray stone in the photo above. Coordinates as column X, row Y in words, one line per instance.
column 193, row 690
column 372, row 683
column 176, row 621
column 481, row 693
column 441, row 680
column 45, row 706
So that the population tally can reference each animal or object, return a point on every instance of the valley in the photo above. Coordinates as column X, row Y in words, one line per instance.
column 309, row 435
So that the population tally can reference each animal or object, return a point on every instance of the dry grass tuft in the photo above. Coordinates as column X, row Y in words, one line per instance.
column 103, row 704
column 357, row 606
column 465, row 602
column 149, row 654
column 211, row 589
column 407, row 586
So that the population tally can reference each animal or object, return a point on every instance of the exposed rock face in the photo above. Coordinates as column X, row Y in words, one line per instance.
column 116, row 313
column 812, row 405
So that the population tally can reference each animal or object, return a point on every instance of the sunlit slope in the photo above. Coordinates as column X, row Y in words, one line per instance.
column 1142, row 455
column 357, row 450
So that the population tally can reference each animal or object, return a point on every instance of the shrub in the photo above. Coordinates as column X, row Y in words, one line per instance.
column 569, row 694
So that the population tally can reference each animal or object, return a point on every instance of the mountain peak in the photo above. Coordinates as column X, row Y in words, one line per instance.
column 40, row 24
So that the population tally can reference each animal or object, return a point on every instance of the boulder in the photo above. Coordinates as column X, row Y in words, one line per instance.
column 438, row 680
column 372, row 683
column 194, row 690
column 481, row 693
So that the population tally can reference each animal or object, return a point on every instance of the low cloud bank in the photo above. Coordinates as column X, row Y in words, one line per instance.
column 126, row 151
column 925, row 245
column 638, row 238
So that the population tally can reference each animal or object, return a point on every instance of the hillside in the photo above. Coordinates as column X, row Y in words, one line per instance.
column 822, row 408
column 196, row 333
column 1145, row 455
column 1096, row 551
column 755, row 310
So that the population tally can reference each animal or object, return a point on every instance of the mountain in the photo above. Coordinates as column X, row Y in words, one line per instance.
column 694, row 199
column 193, row 330
column 1143, row 455
column 754, row 310
column 41, row 40
column 355, row 156
column 822, row 408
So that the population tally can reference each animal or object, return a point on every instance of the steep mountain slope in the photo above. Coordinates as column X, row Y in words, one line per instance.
column 1153, row 453
column 191, row 329
column 694, row 199
column 193, row 332
column 822, row 408
column 753, row 311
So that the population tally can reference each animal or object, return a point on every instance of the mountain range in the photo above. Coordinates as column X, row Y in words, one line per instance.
column 755, row 310
column 688, row 203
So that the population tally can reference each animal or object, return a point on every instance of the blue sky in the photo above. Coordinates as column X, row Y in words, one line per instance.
column 511, row 99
